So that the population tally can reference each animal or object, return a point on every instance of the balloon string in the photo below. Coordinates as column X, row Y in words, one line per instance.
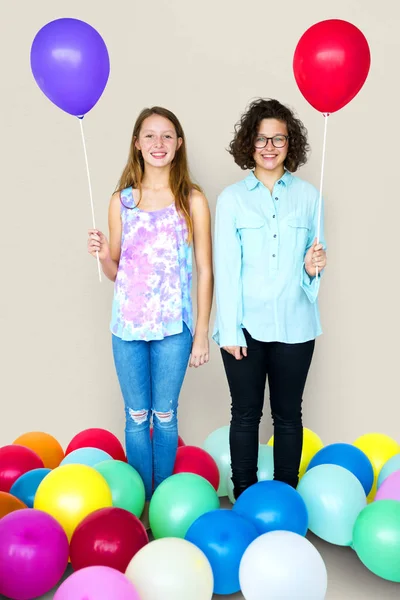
column 321, row 184
column 90, row 189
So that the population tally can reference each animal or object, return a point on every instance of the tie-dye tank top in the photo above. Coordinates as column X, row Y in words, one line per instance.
column 152, row 290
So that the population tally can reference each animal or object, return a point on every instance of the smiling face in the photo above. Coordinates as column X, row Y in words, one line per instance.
column 269, row 157
column 158, row 141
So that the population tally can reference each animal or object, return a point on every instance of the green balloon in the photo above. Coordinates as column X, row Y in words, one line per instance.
column 127, row 487
column 178, row 502
column 376, row 538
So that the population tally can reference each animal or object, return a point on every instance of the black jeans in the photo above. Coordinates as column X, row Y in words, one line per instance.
column 286, row 366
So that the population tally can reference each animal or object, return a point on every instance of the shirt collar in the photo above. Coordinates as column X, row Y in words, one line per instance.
column 252, row 182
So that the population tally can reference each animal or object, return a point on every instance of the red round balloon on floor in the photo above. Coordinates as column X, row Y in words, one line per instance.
column 331, row 63
column 98, row 438
column 16, row 460
column 108, row 537
column 191, row 459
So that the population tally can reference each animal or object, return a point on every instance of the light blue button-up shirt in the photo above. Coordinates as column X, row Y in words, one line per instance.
column 260, row 242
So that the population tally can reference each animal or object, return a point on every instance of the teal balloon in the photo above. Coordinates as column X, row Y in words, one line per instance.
column 86, row 456
column 376, row 538
column 24, row 488
column 334, row 498
column 390, row 466
column 217, row 444
column 265, row 463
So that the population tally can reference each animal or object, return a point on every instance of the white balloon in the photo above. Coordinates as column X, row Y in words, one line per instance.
column 171, row 569
column 282, row 565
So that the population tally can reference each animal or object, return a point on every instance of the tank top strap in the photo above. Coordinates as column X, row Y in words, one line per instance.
column 126, row 198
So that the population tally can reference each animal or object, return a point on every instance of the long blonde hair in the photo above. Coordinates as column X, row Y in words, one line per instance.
column 179, row 180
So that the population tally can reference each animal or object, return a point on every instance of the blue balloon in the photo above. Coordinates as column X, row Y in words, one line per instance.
column 349, row 457
column 272, row 505
column 25, row 487
column 223, row 536
column 86, row 456
column 390, row 466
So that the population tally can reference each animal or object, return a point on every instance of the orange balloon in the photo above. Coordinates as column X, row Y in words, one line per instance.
column 9, row 503
column 45, row 446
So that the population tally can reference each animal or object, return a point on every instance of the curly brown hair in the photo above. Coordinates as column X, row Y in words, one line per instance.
column 242, row 145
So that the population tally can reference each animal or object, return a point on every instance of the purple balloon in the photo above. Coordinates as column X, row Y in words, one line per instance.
column 71, row 65
column 390, row 488
column 97, row 583
column 34, row 553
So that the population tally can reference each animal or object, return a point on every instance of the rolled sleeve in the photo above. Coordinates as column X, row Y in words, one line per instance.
column 227, row 268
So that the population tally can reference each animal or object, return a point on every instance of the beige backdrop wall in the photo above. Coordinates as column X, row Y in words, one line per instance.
column 205, row 61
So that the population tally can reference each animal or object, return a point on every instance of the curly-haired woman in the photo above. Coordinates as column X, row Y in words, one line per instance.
column 267, row 277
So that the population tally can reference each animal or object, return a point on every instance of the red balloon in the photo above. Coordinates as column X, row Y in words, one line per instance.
column 98, row 438
column 15, row 460
column 108, row 537
column 180, row 440
column 191, row 459
column 331, row 63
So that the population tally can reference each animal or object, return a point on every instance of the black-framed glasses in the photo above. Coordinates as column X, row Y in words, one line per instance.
column 278, row 141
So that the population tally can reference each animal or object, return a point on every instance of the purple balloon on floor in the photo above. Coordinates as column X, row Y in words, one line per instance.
column 70, row 64
column 390, row 488
column 33, row 554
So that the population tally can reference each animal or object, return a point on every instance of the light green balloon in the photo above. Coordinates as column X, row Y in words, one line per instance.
column 178, row 502
column 265, row 467
column 127, row 487
column 265, row 463
column 376, row 538
column 217, row 444
column 334, row 498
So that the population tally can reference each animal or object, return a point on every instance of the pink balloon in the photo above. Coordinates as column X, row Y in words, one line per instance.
column 97, row 583
column 390, row 488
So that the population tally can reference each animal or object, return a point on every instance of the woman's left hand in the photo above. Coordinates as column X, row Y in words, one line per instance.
column 315, row 258
column 200, row 351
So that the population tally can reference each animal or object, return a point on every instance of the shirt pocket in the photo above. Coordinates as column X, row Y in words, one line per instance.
column 299, row 229
column 252, row 233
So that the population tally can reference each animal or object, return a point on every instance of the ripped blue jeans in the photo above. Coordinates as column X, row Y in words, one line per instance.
column 151, row 375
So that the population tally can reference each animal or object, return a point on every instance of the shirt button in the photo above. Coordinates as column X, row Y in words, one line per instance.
column 276, row 198
column 273, row 216
column 273, row 255
column 275, row 235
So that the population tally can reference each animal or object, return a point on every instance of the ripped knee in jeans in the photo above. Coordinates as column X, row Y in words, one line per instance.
column 138, row 416
column 164, row 417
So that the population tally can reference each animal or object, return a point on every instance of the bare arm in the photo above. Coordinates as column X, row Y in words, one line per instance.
column 109, row 251
column 205, row 279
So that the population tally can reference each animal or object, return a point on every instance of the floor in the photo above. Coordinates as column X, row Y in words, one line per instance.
column 348, row 578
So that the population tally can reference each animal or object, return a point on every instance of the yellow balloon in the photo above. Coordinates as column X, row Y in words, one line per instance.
column 312, row 444
column 379, row 447
column 70, row 493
